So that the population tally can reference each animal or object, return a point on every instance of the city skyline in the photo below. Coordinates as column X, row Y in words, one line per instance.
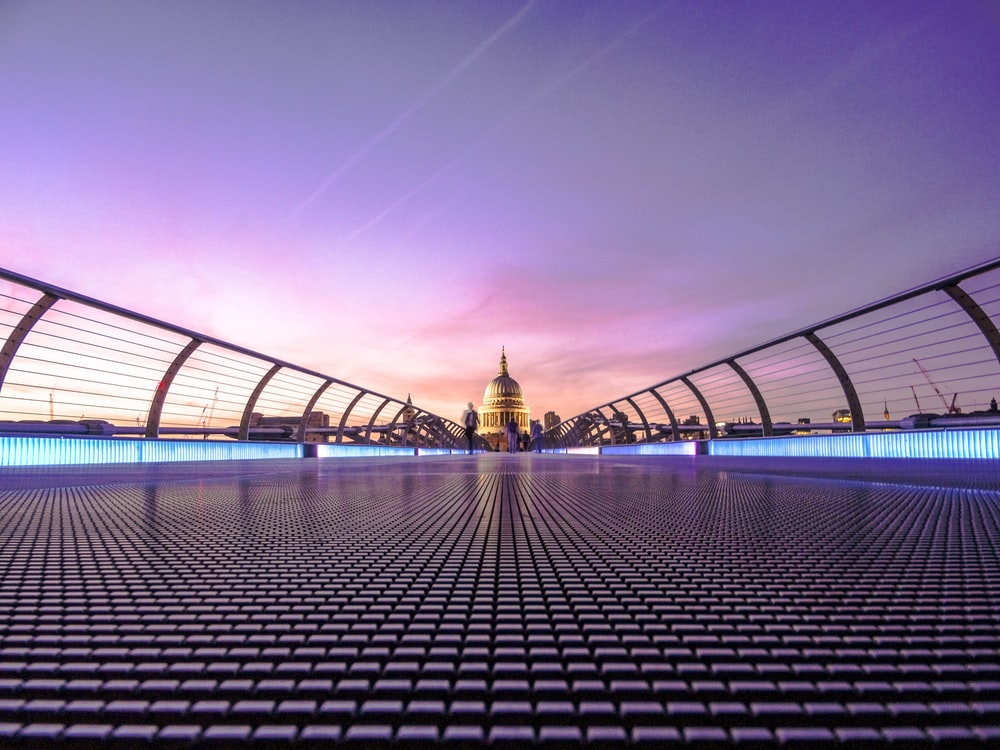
column 615, row 196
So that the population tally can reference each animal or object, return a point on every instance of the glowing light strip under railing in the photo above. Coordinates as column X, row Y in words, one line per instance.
column 323, row 450
column 922, row 444
column 961, row 444
column 49, row 451
column 983, row 443
column 684, row 448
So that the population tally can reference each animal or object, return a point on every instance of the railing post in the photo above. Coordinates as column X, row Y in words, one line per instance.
column 587, row 429
column 645, row 423
column 713, row 433
column 622, row 418
column 160, row 396
column 605, row 427
column 767, row 427
column 244, row 433
column 21, row 331
column 345, row 415
column 567, row 430
column 371, row 422
column 304, row 422
column 393, row 426
column 670, row 415
column 850, row 393
column 978, row 315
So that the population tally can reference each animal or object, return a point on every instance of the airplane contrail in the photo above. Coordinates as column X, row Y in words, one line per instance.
column 362, row 152
column 516, row 112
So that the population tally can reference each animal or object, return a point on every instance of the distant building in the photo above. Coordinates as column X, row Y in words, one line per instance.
column 694, row 421
column 502, row 401
column 409, row 411
column 551, row 420
column 290, row 426
column 842, row 417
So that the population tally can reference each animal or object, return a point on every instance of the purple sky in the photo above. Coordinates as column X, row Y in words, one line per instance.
column 389, row 192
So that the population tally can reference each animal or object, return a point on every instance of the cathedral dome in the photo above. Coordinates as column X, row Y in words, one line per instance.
column 503, row 401
column 502, row 387
column 503, row 390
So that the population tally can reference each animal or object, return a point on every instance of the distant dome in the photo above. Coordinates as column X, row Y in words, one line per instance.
column 503, row 389
column 503, row 401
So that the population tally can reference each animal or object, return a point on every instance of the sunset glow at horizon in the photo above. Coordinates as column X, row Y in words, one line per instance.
column 389, row 193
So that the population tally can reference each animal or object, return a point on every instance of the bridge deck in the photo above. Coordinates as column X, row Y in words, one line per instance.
column 501, row 599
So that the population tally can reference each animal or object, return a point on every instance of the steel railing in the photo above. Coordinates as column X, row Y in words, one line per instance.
column 72, row 365
column 929, row 357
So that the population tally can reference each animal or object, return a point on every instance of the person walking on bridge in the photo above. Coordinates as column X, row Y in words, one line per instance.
column 471, row 421
column 513, row 435
column 536, row 436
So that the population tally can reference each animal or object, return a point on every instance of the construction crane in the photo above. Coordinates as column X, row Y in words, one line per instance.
column 949, row 409
column 210, row 408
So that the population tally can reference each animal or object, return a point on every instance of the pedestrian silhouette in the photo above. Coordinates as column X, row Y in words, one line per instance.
column 536, row 437
column 513, row 435
column 471, row 421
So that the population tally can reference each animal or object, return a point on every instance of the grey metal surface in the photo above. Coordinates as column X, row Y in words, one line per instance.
column 502, row 599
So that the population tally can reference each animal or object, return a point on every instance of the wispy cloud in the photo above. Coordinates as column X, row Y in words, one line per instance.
column 540, row 94
column 414, row 108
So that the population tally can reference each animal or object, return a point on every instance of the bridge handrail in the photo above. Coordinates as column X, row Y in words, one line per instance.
column 865, row 362
column 113, row 360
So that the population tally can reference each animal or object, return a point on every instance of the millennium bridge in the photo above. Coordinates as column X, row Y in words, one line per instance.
column 797, row 546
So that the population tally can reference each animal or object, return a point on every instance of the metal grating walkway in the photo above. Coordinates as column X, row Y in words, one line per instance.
column 502, row 600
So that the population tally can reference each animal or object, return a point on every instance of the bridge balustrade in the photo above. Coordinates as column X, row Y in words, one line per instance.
column 929, row 357
column 72, row 365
